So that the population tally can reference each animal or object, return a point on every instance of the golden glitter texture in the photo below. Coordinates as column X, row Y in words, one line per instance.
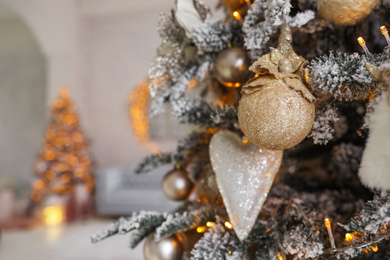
column 276, row 110
column 345, row 12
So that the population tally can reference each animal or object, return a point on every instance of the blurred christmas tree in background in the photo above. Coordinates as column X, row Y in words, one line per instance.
column 65, row 159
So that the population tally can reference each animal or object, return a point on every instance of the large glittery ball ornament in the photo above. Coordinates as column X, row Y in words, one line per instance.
column 231, row 67
column 176, row 185
column 167, row 248
column 276, row 110
column 245, row 174
column 345, row 12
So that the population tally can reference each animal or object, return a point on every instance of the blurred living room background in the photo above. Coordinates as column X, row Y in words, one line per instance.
column 100, row 50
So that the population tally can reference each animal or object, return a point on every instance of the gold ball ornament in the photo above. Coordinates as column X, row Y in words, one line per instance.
column 345, row 12
column 176, row 185
column 231, row 67
column 168, row 248
column 276, row 110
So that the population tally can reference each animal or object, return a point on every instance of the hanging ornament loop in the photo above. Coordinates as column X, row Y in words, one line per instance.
column 283, row 64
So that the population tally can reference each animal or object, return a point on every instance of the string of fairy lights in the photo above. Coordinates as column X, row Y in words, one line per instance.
column 64, row 160
column 362, row 42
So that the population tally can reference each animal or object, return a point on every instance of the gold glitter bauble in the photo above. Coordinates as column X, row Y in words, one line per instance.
column 167, row 248
column 276, row 116
column 231, row 67
column 345, row 12
column 176, row 185
column 276, row 110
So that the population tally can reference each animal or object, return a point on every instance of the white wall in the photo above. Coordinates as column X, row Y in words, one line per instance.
column 118, row 49
column 22, row 100
column 101, row 50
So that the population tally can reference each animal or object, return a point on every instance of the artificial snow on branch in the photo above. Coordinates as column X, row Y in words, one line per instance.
column 211, row 36
column 181, row 221
column 301, row 18
column 374, row 216
column 171, row 92
column 341, row 75
column 201, row 113
column 303, row 241
column 143, row 219
column 217, row 243
column 323, row 130
column 153, row 161
column 110, row 230
column 274, row 11
column 192, row 142
column 168, row 65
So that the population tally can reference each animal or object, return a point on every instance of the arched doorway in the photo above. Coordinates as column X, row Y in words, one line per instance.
column 22, row 100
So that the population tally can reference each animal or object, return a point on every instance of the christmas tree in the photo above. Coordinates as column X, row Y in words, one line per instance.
column 65, row 158
column 291, row 157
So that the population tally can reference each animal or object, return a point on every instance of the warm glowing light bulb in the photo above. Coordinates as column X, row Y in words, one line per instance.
column 362, row 43
column 329, row 228
column 201, row 229
column 209, row 224
column 228, row 225
column 237, row 15
column 348, row 237
column 192, row 83
column 385, row 33
column 383, row 30
column 307, row 77
column 53, row 215
column 327, row 222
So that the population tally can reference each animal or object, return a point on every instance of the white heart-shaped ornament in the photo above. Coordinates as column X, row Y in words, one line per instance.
column 245, row 174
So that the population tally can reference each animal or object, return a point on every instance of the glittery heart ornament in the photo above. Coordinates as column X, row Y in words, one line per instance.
column 244, row 175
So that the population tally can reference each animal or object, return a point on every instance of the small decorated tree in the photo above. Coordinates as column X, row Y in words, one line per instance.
column 65, row 159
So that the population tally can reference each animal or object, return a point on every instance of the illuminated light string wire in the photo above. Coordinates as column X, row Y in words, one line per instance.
column 362, row 42
column 371, row 245
column 386, row 34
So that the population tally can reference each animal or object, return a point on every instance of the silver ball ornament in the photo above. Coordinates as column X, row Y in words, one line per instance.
column 231, row 67
column 176, row 185
column 168, row 248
